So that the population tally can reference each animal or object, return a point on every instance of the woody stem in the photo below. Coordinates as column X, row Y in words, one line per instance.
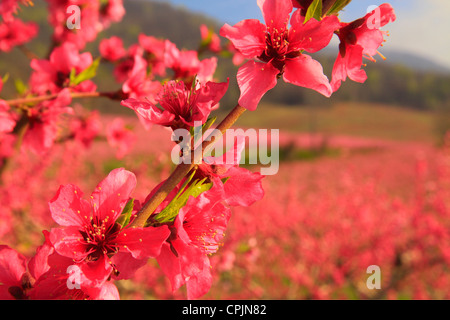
column 74, row 95
column 183, row 169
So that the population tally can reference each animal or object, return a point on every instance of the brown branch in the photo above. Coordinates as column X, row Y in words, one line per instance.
column 117, row 95
column 27, row 52
column 182, row 170
column 37, row 99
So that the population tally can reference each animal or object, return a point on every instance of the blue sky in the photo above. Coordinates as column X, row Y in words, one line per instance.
column 422, row 27
column 232, row 11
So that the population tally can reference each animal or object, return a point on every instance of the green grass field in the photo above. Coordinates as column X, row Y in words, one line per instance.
column 361, row 120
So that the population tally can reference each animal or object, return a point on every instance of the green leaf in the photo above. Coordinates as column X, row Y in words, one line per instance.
column 196, row 133
column 84, row 75
column 170, row 212
column 125, row 216
column 205, row 42
column 224, row 180
column 21, row 87
column 226, row 54
column 314, row 11
column 183, row 187
column 73, row 75
column 209, row 123
column 338, row 6
column 5, row 77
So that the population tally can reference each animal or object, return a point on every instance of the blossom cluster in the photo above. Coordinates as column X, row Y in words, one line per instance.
column 95, row 241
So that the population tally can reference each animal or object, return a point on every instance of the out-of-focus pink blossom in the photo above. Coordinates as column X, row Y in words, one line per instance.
column 89, row 22
column 111, row 11
column 120, row 137
column 210, row 39
column 86, row 127
column 8, row 8
column 186, row 65
column 7, row 141
column 7, row 118
column 154, row 49
column 43, row 122
column 16, row 32
column 54, row 74
column 139, row 84
column 112, row 49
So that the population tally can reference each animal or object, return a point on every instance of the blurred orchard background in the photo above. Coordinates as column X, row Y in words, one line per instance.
column 364, row 177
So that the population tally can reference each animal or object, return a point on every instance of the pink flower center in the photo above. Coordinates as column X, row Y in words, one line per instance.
column 177, row 99
column 17, row 292
column 278, row 48
column 99, row 238
column 62, row 79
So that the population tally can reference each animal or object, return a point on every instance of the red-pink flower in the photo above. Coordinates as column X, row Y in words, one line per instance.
column 112, row 49
column 186, row 65
column 13, row 267
column 279, row 50
column 54, row 74
column 122, row 70
column 15, row 33
column 7, row 142
column 238, row 58
column 59, row 278
column 139, row 84
column 242, row 187
column 7, row 119
column 90, row 235
column 154, row 53
column 297, row 4
column 182, row 106
column 196, row 232
column 86, row 127
column 10, row 7
column 45, row 276
column 360, row 38
column 111, row 11
column 43, row 122
column 210, row 39
column 89, row 21
column 120, row 137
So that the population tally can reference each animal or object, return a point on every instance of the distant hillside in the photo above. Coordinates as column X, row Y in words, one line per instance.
column 160, row 20
column 415, row 62
column 405, row 59
column 403, row 80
